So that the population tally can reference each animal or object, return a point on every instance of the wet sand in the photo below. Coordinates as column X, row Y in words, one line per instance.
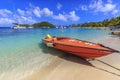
column 70, row 67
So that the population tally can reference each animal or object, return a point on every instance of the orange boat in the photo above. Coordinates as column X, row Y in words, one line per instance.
column 77, row 47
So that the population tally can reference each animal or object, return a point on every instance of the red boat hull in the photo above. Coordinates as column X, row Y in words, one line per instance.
column 78, row 48
column 82, row 52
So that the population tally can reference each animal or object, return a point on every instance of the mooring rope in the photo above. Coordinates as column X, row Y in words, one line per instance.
column 107, row 64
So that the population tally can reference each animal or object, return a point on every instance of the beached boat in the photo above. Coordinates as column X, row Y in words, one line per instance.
column 77, row 47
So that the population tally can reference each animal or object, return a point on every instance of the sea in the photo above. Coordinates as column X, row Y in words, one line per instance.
column 22, row 51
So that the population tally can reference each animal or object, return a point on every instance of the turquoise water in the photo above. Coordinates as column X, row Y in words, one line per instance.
column 22, row 52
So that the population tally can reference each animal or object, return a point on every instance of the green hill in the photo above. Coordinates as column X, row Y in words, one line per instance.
column 44, row 24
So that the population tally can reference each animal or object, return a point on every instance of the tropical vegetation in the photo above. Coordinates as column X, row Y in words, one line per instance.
column 43, row 24
column 104, row 23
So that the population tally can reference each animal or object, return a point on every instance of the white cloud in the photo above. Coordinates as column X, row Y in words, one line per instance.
column 37, row 12
column 59, row 6
column 65, row 17
column 5, row 12
column 21, row 12
column 41, row 12
column 16, row 18
column 28, row 20
column 84, row 8
column 60, row 17
column 23, row 19
column 29, row 12
column 99, row 6
column 6, row 21
column 108, row 7
column 47, row 12
column 96, row 6
column 115, row 12
column 73, row 17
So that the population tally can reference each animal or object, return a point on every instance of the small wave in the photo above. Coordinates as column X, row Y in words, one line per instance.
column 27, row 67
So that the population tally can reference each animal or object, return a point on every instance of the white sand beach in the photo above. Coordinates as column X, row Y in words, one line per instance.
column 70, row 67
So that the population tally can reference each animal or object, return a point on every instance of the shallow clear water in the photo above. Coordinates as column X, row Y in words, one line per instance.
column 22, row 52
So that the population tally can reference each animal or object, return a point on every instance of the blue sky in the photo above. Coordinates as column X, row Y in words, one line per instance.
column 59, row 12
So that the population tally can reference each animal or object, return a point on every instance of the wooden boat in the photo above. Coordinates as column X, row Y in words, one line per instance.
column 77, row 47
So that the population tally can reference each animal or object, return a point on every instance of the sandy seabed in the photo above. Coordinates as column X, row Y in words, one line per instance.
column 70, row 67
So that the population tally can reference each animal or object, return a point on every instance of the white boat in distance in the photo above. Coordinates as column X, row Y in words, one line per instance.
column 17, row 26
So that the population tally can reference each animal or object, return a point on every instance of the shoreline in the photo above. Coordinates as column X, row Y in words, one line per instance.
column 70, row 67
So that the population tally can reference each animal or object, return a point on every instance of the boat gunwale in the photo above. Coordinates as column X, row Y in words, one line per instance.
column 111, row 50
